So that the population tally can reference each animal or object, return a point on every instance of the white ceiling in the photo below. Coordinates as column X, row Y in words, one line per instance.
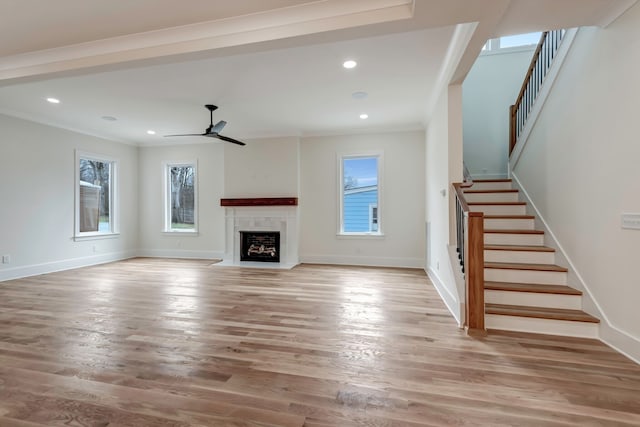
column 272, row 66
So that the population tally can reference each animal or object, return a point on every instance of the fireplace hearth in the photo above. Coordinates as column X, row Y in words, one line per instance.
column 260, row 246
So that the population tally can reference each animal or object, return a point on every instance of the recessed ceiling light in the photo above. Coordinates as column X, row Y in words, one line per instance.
column 349, row 64
column 359, row 95
column 109, row 118
column 151, row 132
column 53, row 100
column 364, row 116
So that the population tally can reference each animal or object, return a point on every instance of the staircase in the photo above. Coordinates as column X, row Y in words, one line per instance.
column 524, row 289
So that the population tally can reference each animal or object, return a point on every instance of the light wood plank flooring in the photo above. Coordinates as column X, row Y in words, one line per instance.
column 151, row 342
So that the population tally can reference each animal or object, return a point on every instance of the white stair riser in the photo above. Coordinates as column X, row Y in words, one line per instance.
column 514, row 239
column 500, row 209
column 491, row 186
column 542, row 326
column 509, row 224
column 519, row 257
column 533, row 299
column 525, row 276
column 491, row 197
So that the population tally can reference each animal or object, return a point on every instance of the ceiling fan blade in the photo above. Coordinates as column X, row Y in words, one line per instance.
column 188, row 134
column 226, row 138
column 218, row 127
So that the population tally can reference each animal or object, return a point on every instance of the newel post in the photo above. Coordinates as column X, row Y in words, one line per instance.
column 474, row 270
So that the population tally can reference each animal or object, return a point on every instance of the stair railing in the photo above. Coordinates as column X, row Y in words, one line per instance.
column 470, row 247
column 542, row 57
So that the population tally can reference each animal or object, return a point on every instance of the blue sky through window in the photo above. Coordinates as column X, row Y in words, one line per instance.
column 519, row 40
column 361, row 171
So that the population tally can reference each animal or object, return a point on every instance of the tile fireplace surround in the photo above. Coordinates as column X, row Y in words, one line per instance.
column 261, row 214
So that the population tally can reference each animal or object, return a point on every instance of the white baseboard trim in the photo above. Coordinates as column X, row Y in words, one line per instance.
column 489, row 175
column 363, row 261
column 67, row 264
column 182, row 254
column 615, row 337
column 449, row 299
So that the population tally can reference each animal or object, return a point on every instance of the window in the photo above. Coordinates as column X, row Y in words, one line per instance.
column 95, row 196
column 515, row 41
column 360, row 195
column 181, row 213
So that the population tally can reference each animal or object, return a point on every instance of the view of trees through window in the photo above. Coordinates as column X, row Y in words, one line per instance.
column 95, row 196
column 182, row 197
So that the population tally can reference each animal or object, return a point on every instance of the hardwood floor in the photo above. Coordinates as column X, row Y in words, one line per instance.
column 151, row 342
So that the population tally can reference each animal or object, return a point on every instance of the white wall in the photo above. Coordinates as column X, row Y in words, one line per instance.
column 444, row 166
column 37, row 190
column 262, row 168
column 209, row 241
column 580, row 168
column 489, row 89
column 401, row 205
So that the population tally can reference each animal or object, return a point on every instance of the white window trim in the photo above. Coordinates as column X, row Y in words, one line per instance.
column 167, row 231
column 114, row 196
column 364, row 234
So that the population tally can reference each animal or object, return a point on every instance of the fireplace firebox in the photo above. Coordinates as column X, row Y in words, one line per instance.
column 261, row 246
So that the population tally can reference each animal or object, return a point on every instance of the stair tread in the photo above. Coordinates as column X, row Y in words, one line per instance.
column 491, row 191
column 493, row 180
column 531, row 287
column 540, row 312
column 512, row 231
column 497, row 203
column 509, row 217
column 522, row 266
column 523, row 248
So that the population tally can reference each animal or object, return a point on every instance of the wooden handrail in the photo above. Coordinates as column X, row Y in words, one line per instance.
column 536, row 73
column 470, row 246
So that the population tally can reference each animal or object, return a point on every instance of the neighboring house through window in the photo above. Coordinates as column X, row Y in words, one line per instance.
column 95, row 196
column 181, row 197
column 360, row 194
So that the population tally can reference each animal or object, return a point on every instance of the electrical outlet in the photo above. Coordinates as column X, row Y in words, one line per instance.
column 631, row 221
column 6, row 259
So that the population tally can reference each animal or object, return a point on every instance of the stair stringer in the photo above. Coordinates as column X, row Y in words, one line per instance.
column 618, row 339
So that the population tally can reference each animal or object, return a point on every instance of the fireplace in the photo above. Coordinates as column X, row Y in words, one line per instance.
column 260, row 246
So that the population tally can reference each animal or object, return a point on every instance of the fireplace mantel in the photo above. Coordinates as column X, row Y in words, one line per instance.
column 260, row 201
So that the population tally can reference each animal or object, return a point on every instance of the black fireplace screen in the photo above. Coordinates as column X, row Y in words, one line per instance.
column 262, row 246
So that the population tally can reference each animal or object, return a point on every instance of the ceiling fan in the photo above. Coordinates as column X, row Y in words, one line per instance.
column 213, row 131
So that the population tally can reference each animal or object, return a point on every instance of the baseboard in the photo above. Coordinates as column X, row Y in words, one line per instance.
column 182, row 254
column 489, row 175
column 67, row 264
column 450, row 300
column 363, row 261
column 615, row 337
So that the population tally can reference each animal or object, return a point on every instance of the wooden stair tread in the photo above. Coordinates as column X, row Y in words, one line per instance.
column 521, row 266
column 492, row 180
column 490, row 191
column 509, row 217
column 512, row 231
column 518, row 248
column 540, row 312
column 531, row 287
column 497, row 203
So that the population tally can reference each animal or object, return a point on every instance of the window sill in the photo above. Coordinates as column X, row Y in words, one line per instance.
column 181, row 233
column 95, row 236
column 360, row 236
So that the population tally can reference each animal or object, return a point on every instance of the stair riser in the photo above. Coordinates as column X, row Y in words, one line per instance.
column 525, row 276
column 533, row 299
column 519, row 257
column 542, row 326
column 509, row 224
column 491, row 197
column 499, row 209
column 514, row 239
column 491, row 186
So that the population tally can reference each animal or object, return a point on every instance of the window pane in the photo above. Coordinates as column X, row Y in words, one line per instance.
column 360, row 195
column 520, row 40
column 95, row 200
column 182, row 200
